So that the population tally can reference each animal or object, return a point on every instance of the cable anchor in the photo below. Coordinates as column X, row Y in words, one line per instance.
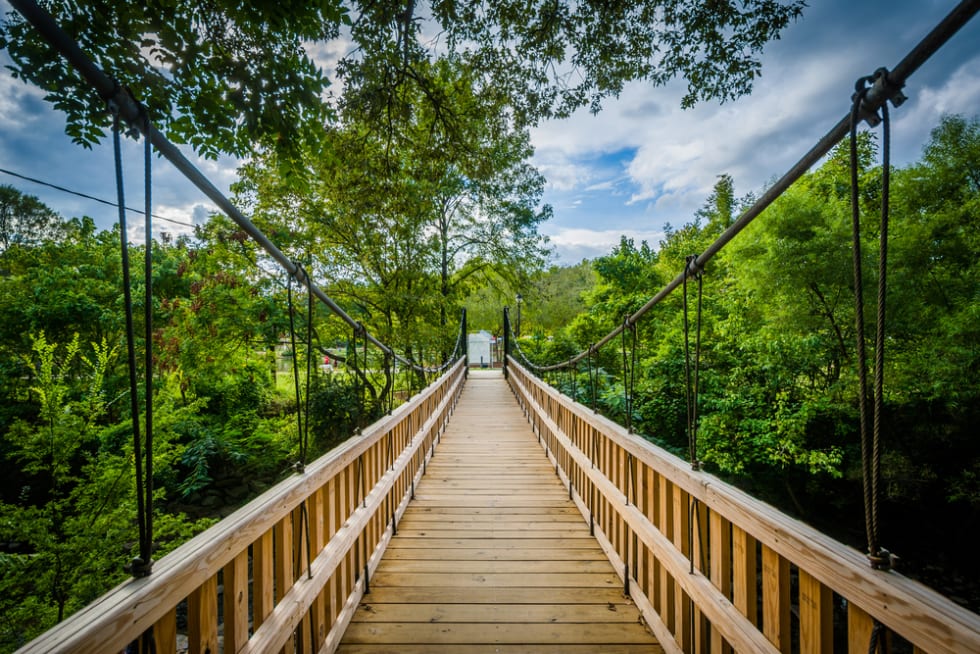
column 882, row 560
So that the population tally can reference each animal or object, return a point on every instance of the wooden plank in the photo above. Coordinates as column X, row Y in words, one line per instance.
column 721, row 569
column 666, row 527
column 165, row 633
column 202, row 618
column 621, row 612
column 235, row 578
column 263, row 584
column 775, row 599
column 859, row 628
column 498, row 580
column 682, row 603
column 465, row 634
column 518, row 595
column 283, row 538
column 477, row 566
column 494, row 553
column 745, row 589
column 816, row 616
column 536, row 648
column 395, row 552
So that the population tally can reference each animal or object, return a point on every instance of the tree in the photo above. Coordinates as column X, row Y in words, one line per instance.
column 25, row 220
column 223, row 76
column 401, row 219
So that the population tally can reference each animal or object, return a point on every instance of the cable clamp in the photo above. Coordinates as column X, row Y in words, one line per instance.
column 296, row 273
column 882, row 560
column 693, row 269
column 139, row 568
column 121, row 103
column 875, row 90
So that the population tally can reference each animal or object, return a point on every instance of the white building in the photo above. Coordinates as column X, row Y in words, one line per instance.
column 480, row 349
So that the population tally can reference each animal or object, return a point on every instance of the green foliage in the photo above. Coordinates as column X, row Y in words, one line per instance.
column 224, row 76
column 778, row 373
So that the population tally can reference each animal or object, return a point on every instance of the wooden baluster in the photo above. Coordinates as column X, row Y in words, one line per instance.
column 284, row 563
column 775, row 599
column 744, row 573
column 816, row 616
column 700, row 554
column 318, row 521
column 202, row 618
column 721, row 570
column 263, row 583
column 682, row 604
column 235, row 577
column 653, row 514
column 333, row 524
column 666, row 490
column 165, row 633
column 860, row 624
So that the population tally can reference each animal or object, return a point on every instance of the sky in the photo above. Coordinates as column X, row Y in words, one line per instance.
column 641, row 164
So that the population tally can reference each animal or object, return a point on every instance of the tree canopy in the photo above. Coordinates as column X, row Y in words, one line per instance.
column 225, row 76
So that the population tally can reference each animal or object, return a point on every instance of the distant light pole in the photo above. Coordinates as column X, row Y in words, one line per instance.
column 517, row 331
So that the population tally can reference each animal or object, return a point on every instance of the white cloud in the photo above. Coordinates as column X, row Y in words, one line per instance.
column 575, row 244
column 674, row 156
column 175, row 221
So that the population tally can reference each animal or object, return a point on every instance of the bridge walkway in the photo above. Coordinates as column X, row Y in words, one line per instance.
column 492, row 556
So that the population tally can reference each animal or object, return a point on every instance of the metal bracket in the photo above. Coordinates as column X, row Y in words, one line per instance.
column 882, row 89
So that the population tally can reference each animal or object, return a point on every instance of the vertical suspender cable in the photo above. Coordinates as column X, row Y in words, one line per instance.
column 878, row 557
column 292, row 344
column 140, row 564
column 148, row 332
column 692, row 380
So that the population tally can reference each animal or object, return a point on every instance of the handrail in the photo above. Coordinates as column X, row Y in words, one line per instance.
column 680, row 534
column 353, row 496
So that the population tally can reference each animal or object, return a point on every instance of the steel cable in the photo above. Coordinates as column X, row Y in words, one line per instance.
column 140, row 565
column 878, row 557
column 692, row 381
column 890, row 88
column 148, row 334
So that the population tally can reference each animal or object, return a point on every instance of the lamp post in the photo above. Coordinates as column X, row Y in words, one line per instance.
column 517, row 331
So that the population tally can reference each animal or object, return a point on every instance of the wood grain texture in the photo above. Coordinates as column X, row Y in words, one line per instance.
column 492, row 555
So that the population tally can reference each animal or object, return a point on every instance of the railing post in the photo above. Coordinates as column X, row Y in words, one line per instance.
column 506, row 339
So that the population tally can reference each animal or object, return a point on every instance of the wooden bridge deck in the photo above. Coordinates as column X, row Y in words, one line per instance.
column 492, row 556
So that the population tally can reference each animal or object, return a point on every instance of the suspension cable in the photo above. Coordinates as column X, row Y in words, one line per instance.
column 593, row 378
column 878, row 557
column 886, row 88
column 141, row 564
column 128, row 110
column 148, row 333
column 296, row 386
column 692, row 384
column 629, row 374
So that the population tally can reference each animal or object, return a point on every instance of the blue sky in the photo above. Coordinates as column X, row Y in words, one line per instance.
column 641, row 163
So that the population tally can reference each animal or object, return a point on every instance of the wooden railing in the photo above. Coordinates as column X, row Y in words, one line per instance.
column 715, row 570
column 257, row 557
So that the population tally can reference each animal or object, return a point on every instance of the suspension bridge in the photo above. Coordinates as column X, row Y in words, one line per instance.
column 493, row 514
column 490, row 513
